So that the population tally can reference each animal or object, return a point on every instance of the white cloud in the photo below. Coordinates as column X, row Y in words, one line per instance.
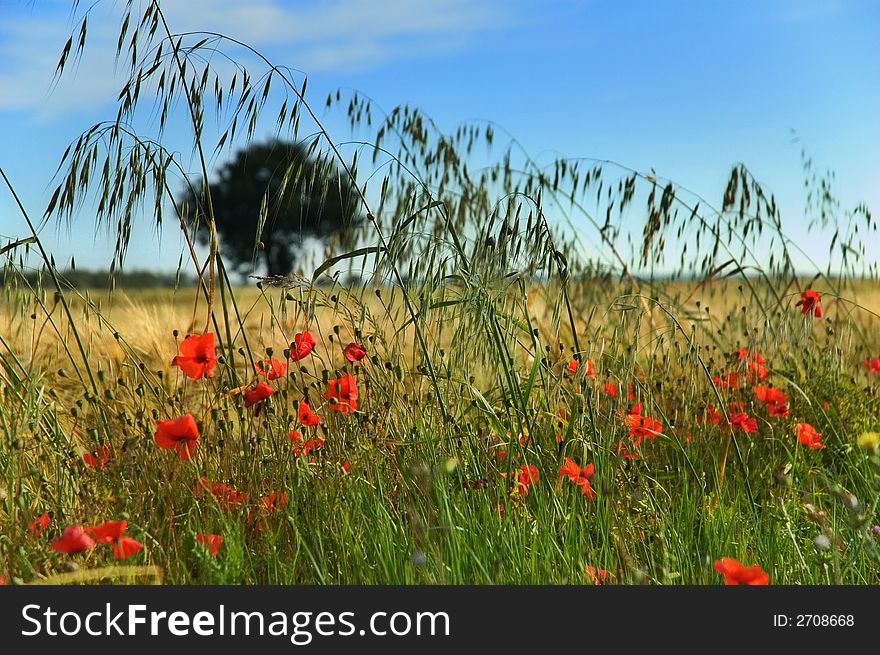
column 322, row 22
column 30, row 48
column 312, row 36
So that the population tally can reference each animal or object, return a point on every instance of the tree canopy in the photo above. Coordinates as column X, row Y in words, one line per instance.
column 268, row 199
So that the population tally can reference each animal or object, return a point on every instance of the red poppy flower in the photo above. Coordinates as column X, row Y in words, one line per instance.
column 570, row 469
column 625, row 452
column 211, row 541
column 873, row 365
column 754, row 364
column 312, row 444
column 527, row 475
column 711, row 416
column 727, row 380
column 99, row 458
column 274, row 501
column 354, row 352
column 306, row 416
column 39, row 524
column 574, row 365
column 126, row 547
column 809, row 304
column 642, row 426
column 575, row 473
column 744, row 423
column 107, row 532
column 271, row 369
column 346, row 467
column 73, row 540
column 775, row 400
column 808, row 436
column 225, row 495
column 180, row 433
column 611, row 389
column 597, row 576
column 342, row 394
column 735, row 573
column 579, row 476
column 303, row 344
column 255, row 394
column 301, row 447
column 197, row 357
column 268, row 504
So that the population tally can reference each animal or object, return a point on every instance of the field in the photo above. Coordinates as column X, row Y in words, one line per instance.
column 493, row 370
column 409, row 490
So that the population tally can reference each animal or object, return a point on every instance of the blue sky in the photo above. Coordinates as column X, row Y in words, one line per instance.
column 687, row 88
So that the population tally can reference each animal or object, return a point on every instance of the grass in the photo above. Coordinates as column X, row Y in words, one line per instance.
column 425, row 500
column 499, row 303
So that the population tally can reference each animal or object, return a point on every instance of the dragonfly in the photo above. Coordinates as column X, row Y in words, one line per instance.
column 293, row 281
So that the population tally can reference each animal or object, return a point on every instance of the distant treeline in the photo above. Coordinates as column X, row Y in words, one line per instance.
column 140, row 279
column 101, row 279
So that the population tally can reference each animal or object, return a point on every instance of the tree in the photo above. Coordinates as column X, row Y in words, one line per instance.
column 268, row 200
